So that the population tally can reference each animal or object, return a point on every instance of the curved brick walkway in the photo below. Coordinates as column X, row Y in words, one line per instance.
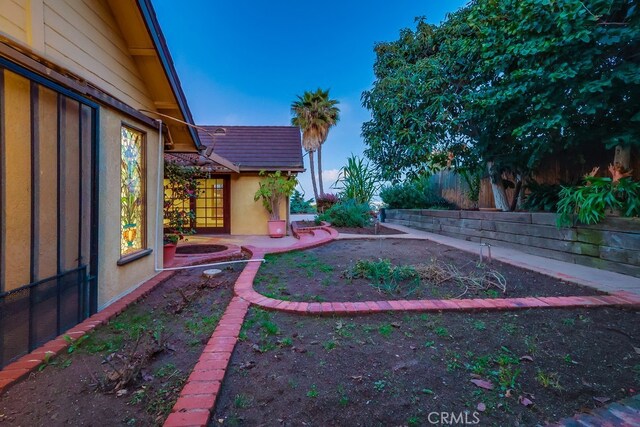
column 198, row 397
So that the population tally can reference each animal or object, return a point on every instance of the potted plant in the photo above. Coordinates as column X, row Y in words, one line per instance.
column 272, row 189
column 180, row 187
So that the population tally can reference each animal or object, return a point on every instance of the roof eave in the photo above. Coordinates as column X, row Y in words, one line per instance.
column 153, row 27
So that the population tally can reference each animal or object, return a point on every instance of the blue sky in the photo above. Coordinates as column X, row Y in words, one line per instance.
column 244, row 62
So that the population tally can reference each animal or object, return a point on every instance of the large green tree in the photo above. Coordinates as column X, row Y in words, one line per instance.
column 315, row 113
column 503, row 84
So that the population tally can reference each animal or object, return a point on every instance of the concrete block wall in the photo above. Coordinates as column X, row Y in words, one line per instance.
column 613, row 244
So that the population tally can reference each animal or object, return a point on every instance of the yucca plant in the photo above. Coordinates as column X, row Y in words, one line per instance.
column 358, row 180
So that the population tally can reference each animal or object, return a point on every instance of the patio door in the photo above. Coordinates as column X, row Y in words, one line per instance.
column 48, row 210
column 212, row 206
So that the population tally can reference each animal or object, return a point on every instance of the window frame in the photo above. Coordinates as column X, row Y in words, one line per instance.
column 144, row 249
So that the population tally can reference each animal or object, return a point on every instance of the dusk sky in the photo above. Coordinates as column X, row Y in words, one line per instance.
column 244, row 62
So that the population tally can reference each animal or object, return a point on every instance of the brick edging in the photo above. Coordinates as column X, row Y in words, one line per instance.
column 22, row 367
column 198, row 397
column 18, row 370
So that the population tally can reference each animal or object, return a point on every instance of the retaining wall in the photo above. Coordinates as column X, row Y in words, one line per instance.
column 612, row 245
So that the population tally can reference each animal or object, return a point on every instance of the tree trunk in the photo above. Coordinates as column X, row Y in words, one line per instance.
column 320, row 171
column 313, row 176
column 499, row 193
column 516, row 194
column 622, row 156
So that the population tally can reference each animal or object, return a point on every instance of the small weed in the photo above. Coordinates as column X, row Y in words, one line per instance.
column 429, row 344
column 414, row 421
column 492, row 293
column 568, row 322
column 313, row 392
column 344, row 399
column 507, row 377
column 569, row 360
column 74, row 344
column 137, row 397
column 379, row 385
column 345, row 330
column 269, row 328
column 385, row 330
column 530, row 343
column 549, row 380
column 479, row 325
column 408, row 334
column 441, row 331
column 427, row 391
column 165, row 370
column 329, row 345
column 479, row 365
column 286, row 342
column 510, row 328
column 242, row 401
column 452, row 360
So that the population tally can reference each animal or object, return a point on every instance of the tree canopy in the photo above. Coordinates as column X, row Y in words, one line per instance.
column 506, row 83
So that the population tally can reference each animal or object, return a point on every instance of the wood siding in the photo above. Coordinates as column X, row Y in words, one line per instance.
column 13, row 19
column 81, row 36
column 84, row 36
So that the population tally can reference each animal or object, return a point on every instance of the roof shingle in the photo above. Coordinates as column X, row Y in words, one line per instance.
column 255, row 148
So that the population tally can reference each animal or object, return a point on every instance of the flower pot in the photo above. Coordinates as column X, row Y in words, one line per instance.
column 277, row 228
column 169, row 253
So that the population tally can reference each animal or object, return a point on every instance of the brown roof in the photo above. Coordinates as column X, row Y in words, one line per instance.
column 255, row 148
column 195, row 159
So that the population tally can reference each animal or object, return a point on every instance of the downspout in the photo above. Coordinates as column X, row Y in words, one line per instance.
column 160, row 220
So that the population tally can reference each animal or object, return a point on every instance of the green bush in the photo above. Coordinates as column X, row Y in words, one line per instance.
column 590, row 202
column 348, row 214
column 417, row 194
column 299, row 205
column 542, row 197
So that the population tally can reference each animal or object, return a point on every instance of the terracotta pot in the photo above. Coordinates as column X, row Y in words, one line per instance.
column 277, row 228
column 169, row 253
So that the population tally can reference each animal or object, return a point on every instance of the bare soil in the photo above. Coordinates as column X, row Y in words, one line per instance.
column 380, row 230
column 199, row 249
column 327, row 273
column 131, row 371
column 408, row 370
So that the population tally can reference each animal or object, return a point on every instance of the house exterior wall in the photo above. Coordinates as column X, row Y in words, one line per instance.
column 116, row 280
column 81, row 36
column 247, row 216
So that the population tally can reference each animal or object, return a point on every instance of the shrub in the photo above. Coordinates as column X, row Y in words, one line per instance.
column 358, row 180
column 417, row 194
column 591, row 201
column 348, row 214
column 300, row 205
column 542, row 197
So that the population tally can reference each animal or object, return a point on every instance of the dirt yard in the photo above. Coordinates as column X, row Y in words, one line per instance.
column 131, row 371
column 509, row 368
column 365, row 270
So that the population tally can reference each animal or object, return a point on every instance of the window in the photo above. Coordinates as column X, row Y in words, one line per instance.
column 132, row 192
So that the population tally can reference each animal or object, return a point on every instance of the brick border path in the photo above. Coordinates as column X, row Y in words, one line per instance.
column 197, row 399
column 198, row 396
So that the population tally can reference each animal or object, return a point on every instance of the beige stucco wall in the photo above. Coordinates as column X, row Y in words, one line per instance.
column 249, row 217
column 115, row 280
column 16, row 163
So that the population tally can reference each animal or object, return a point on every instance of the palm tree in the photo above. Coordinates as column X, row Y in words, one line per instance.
column 315, row 113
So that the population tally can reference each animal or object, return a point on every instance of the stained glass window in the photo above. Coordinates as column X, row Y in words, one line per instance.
column 132, row 192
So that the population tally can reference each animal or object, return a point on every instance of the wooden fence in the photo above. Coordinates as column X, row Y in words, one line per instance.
column 555, row 170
